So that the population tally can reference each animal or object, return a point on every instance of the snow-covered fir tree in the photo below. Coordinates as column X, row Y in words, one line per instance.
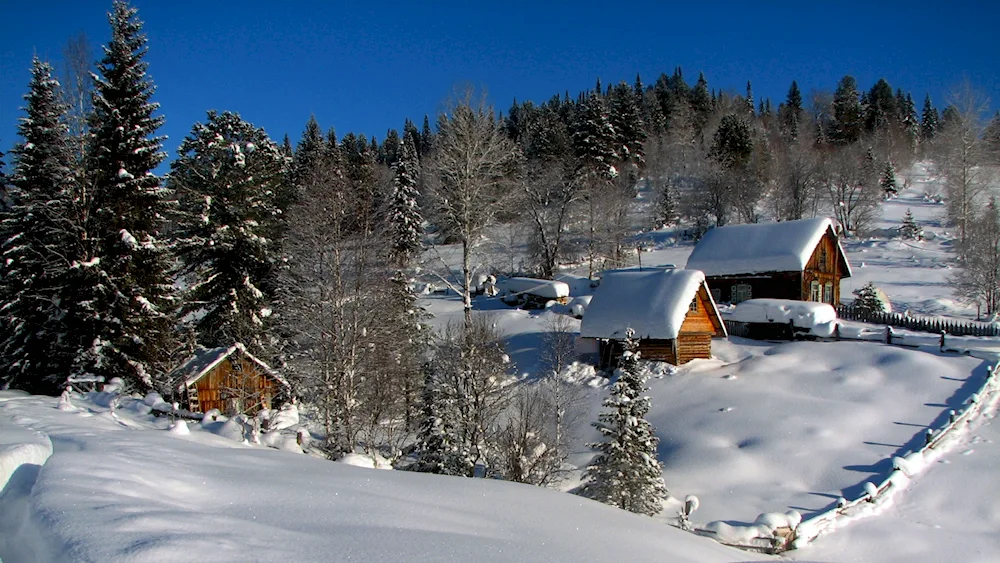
column 404, row 214
column 668, row 211
column 439, row 448
column 595, row 141
column 626, row 472
column 128, row 331
column 869, row 299
column 36, row 239
column 225, row 178
column 888, row 181
column 909, row 229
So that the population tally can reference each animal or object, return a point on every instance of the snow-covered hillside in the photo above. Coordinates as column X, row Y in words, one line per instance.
column 122, row 488
column 762, row 427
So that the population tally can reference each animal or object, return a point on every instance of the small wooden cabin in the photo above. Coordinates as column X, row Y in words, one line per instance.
column 800, row 260
column 229, row 379
column 671, row 311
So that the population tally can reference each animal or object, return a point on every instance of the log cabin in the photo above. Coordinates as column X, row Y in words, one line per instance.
column 800, row 260
column 229, row 379
column 671, row 311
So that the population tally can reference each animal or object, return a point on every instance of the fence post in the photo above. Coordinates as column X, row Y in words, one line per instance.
column 928, row 436
column 942, row 340
column 888, row 335
column 836, row 332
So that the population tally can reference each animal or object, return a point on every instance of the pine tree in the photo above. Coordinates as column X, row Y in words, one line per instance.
column 131, row 312
column 36, row 240
column 888, row 181
column 626, row 120
column 226, row 176
column 426, row 137
column 404, row 215
column 308, row 152
column 928, row 121
column 909, row 229
column 668, row 212
column 701, row 104
column 749, row 99
column 867, row 300
column 881, row 111
column 439, row 448
column 792, row 114
column 595, row 139
column 848, row 113
column 626, row 472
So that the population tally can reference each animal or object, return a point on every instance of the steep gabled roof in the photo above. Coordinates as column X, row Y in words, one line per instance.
column 653, row 303
column 205, row 359
column 761, row 248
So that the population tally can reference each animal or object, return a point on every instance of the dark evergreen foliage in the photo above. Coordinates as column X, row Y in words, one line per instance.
column 226, row 177
column 848, row 116
column 36, row 242
column 130, row 332
column 928, row 120
column 626, row 472
column 405, row 219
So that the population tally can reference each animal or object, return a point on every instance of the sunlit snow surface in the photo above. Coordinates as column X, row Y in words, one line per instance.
column 124, row 489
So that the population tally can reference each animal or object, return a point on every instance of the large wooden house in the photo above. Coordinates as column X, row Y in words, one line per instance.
column 229, row 379
column 671, row 312
column 800, row 260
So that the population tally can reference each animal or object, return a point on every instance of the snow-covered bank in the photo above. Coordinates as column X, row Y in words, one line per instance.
column 134, row 492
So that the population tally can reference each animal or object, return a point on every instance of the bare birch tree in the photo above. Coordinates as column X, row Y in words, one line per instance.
column 472, row 175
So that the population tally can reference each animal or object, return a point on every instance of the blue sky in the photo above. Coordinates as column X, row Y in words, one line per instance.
column 364, row 67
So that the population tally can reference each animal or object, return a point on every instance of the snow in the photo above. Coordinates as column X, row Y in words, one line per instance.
column 819, row 318
column 758, row 248
column 132, row 492
column 652, row 302
column 548, row 289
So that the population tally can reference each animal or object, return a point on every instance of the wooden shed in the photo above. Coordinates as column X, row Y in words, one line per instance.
column 229, row 379
column 800, row 260
column 671, row 311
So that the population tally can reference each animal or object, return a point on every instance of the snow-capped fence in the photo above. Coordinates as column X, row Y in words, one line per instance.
column 904, row 468
column 921, row 324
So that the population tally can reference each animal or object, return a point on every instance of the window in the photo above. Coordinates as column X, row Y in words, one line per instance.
column 717, row 295
column 828, row 293
column 822, row 259
column 741, row 292
column 693, row 307
column 814, row 290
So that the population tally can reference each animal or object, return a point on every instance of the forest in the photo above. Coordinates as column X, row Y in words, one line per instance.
column 313, row 255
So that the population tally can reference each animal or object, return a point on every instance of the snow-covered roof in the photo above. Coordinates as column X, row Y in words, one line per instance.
column 205, row 359
column 760, row 247
column 549, row 289
column 653, row 303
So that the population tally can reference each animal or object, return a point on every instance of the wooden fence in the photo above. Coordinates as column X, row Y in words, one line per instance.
column 920, row 324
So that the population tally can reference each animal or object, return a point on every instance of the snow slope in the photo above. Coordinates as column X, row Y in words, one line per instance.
column 121, row 488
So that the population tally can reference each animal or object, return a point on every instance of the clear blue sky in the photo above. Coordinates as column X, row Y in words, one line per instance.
column 365, row 66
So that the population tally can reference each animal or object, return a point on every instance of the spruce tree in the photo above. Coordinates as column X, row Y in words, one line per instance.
column 595, row 139
column 909, row 229
column 868, row 301
column 404, row 215
column 226, row 176
column 36, row 240
column 749, row 99
column 626, row 120
column 626, row 472
column 848, row 114
column 439, row 448
column 131, row 311
column 928, row 120
column 792, row 112
column 701, row 104
column 888, row 181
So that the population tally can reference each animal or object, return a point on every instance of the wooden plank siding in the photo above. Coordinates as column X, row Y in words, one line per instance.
column 235, row 378
column 826, row 264
column 824, row 267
